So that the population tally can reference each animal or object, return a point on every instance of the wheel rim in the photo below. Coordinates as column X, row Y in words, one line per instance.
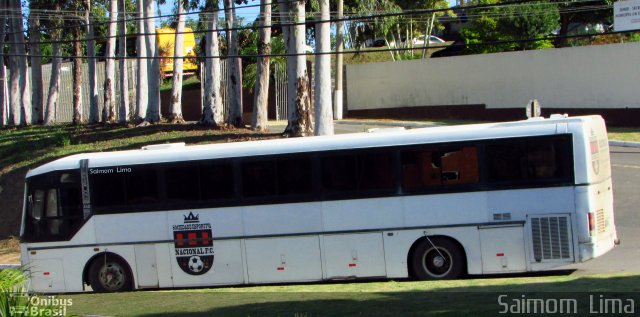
column 112, row 276
column 437, row 262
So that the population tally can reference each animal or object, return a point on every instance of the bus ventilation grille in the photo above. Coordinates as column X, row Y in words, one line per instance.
column 551, row 240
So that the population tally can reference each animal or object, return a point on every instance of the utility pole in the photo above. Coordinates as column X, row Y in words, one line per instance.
column 339, row 44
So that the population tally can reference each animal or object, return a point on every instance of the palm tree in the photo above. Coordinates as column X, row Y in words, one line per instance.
column 234, row 68
column 212, row 108
column 322, row 104
column 175, row 108
column 261, row 92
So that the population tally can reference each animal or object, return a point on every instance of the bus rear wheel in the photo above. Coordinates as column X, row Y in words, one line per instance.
column 109, row 274
column 438, row 259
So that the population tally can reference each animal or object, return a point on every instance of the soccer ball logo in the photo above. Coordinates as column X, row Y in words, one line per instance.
column 195, row 264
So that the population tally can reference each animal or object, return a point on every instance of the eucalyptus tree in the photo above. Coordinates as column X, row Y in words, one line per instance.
column 299, row 103
column 142, row 90
column 78, row 115
column 212, row 113
column 3, row 75
column 19, row 93
column 261, row 90
column 233, row 66
column 37, row 98
column 123, row 113
column 56, row 65
column 175, row 107
column 322, row 99
column 108, row 110
column 153, row 65
column 94, row 112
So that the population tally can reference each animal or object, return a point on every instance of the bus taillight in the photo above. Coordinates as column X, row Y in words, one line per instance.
column 592, row 224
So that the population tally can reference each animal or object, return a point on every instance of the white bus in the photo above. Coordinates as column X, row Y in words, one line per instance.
column 432, row 203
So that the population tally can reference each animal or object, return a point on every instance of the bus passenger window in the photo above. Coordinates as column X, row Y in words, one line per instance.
column 376, row 171
column 294, row 176
column 541, row 160
column 505, row 162
column 460, row 166
column 339, row 173
column 258, row 179
column 421, row 169
column 37, row 204
column 182, row 184
column 142, row 186
column 216, row 181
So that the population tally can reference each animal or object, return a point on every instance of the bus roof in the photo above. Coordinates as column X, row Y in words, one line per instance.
column 439, row 134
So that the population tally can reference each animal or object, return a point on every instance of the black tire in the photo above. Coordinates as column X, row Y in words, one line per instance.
column 445, row 262
column 109, row 273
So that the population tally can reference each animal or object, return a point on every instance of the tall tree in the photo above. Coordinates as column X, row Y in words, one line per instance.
column 78, row 115
column 175, row 108
column 153, row 65
column 56, row 65
column 20, row 93
column 322, row 101
column 233, row 66
column 300, row 123
column 212, row 108
column 94, row 108
column 36, row 62
column 142, row 90
column 261, row 89
column 3, row 75
column 123, row 113
column 108, row 111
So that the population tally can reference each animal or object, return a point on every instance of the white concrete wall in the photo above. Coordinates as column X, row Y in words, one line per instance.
column 600, row 76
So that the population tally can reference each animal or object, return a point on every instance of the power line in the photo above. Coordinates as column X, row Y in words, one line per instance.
column 400, row 49
column 290, row 24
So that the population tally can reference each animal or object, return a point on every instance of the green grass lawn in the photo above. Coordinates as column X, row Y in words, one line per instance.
column 469, row 297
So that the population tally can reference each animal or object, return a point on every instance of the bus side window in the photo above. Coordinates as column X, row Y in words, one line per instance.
column 460, row 166
column 294, row 176
column 182, row 184
column 421, row 169
column 505, row 161
column 142, row 186
column 37, row 204
column 339, row 173
column 258, row 179
column 216, row 181
column 375, row 171
column 541, row 160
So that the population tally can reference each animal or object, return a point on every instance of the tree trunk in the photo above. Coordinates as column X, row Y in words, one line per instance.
column 36, row 64
column 175, row 109
column 78, row 116
column 123, row 114
column 54, row 82
column 20, row 90
column 212, row 108
column 233, row 65
column 300, row 123
column 261, row 91
column 142, row 90
column 153, row 65
column 108, row 111
column 287, row 35
column 3, row 73
column 94, row 108
column 323, row 105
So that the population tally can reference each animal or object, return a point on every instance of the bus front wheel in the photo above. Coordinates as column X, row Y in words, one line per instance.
column 438, row 259
column 109, row 274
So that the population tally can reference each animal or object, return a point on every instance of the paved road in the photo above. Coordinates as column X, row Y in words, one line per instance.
column 626, row 180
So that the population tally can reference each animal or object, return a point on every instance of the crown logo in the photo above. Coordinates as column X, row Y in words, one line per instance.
column 191, row 218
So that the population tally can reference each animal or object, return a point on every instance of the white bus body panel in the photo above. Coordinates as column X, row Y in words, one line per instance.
column 290, row 259
column 353, row 255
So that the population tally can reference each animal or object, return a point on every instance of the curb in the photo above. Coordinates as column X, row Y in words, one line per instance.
column 9, row 266
column 624, row 144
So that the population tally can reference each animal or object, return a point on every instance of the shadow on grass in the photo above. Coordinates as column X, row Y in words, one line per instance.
column 476, row 300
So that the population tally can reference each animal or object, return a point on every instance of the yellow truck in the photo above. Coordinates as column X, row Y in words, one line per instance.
column 165, row 37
